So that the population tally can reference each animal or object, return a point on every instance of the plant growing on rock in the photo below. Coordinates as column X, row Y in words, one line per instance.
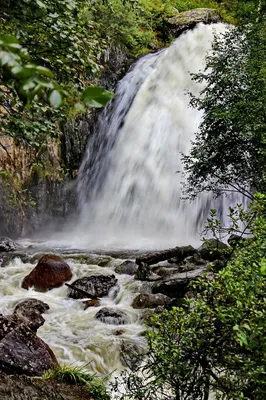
column 79, row 375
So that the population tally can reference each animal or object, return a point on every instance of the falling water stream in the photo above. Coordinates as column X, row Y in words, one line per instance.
column 129, row 197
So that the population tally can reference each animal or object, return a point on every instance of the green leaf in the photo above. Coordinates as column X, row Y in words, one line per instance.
column 95, row 96
column 263, row 266
column 44, row 71
column 41, row 4
column 55, row 98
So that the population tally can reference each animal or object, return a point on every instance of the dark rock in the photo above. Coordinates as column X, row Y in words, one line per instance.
column 51, row 272
column 131, row 355
column 143, row 272
column 9, row 257
column 21, row 387
column 111, row 316
column 127, row 267
column 95, row 285
column 212, row 249
column 30, row 312
column 150, row 300
column 7, row 244
column 184, row 252
column 185, row 20
column 91, row 303
column 176, row 288
column 165, row 272
column 233, row 240
column 21, row 351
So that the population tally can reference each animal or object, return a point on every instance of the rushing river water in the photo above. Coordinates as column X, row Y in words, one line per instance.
column 72, row 332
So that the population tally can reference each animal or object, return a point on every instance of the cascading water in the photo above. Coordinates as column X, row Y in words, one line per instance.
column 129, row 188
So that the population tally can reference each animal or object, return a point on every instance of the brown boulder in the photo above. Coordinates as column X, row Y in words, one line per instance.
column 51, row 272
column 30, row 312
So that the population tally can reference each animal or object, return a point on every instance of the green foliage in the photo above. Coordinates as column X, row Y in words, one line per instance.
column 215, row 342
column 79, row 375
column 46, row 55
column 228, row 152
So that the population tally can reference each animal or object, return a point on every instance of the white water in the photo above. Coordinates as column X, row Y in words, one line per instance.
column 72, row 332
column 129, row 188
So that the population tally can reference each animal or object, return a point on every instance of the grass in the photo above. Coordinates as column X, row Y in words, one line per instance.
column 79, row 376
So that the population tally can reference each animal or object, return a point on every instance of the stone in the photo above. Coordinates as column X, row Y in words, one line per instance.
column 91, row 303
column 95, row 285
column 21, row 387
column 131, row 355
column 30, row 312
column 111, row 316
column 7, row 244
column 150, row 300
column 21, row 350
column 51, row 272
column 177, row 287
column 184, row 252
column 185, row 20
column 127, row 267
column 212, row 250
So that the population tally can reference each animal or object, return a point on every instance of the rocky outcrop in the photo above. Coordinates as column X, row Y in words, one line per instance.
column 111, row 316
column 21, row 350
column 95, row 286
column 183, row 21
column 150, row 300
column 51, row 272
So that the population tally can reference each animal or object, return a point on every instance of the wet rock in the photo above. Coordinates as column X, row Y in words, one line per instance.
column 144, row 273
column 111, row 316
column 165, row 272
column 127, row 267
column 21, row 387
column 183, row 21
column 95, row 285
column 184, row 252
column 21, row 350
column 177, row 287
column 91, row 303
column 131, row 355
column 9, row 257
column 51, row 272
column 150, row 300
column 7, row 244
column 30, row 312
column 212, row 250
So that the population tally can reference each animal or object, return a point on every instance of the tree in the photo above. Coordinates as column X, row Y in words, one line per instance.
column 228, row 153
column 47, row 53
column 214, row 342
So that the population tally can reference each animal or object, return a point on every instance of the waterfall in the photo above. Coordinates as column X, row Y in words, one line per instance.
column 129, row 186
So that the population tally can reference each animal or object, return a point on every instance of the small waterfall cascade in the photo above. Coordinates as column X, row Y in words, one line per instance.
column 129, row 188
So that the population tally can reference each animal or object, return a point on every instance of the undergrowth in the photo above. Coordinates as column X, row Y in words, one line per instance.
column 79, row 376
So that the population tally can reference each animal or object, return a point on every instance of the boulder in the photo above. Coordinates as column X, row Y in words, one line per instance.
column 127, row 267
column 212, row 250
column 185, row 20
column 7, row 244
column 21, row 350
column 111, row 316
column 95, row 286
column 51, row 272
column 150, row 300
column 177, row 287
column 30, row 312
